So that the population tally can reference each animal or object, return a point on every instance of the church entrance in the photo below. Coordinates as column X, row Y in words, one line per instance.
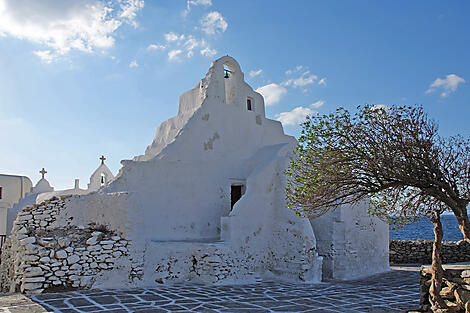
column 236, row 194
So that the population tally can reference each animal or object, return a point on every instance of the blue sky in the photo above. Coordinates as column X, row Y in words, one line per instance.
column 79, row 79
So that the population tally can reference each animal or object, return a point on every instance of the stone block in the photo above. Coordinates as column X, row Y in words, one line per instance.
column 30, row 286
column 59, row 273
column 103, row 266
column 33, row 271
column 36, row 279
column 61, row 254
column 27, row 240
column 73, row 259
column 76, row 266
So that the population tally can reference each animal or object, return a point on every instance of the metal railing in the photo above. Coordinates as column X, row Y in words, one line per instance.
column 2, row 240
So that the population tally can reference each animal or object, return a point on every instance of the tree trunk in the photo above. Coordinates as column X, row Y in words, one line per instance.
column 462, row 220
column 436, row 267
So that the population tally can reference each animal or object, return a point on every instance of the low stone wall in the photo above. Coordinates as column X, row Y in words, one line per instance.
column 455, row 288
column 420, row 251
column 39, row 256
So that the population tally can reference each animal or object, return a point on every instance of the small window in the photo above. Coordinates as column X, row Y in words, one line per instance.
column 103, row 179
column 1, row 192
column 249, row 104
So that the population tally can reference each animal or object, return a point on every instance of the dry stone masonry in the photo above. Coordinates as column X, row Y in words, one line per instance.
column 420, row 251
column 39, row 256
column 455, row 288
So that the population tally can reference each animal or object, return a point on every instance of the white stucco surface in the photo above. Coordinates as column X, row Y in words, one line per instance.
column 14, row 188
column 353, row 243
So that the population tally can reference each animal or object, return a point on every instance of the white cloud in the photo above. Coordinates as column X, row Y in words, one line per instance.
column 294, row 117
column 155, row 47
column 45, row 55
column 272, row 93
column 322, row 81
column 317, row 104
column 213, row 23
column 298, row 68
column 208, row 52
column 305, row 79
column 65, row 25
column 173, row 54
column 179, row 44
column 171, row 37
column 255, row 73
column 133, row 64
column 191, row 3
column 200, row 2
column 448, row 84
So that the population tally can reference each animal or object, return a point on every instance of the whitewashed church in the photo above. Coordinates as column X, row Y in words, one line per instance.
column 206, row 203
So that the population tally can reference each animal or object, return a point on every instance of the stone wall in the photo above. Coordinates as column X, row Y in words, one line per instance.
column 40, row 255
column 420, row 251
column 455, row 288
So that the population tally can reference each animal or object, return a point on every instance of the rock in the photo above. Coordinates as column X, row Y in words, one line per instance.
column 61, row 254
column 31, row 286
column 45, row 259
column 74, row 277
column 69, row 249
column 36, row 279
column 73, row 259
column 116, row 238
column 30, row 258
column 59, row 273
column 94, row 248
column 107, row 247
column 103, row 266
column 43, row 252
column 106, row 242
column 102, row 257
column 43, row 223
column 22, row 230
column 96, row 234
column 117, row 254
column 94, row 265
column 86, row 281
column 33, row 271
column 92, row 241
column 462, row 296
column 24, row 217
column 76, row 266
column 465, row 274
column 31, row 248
column 27, row 240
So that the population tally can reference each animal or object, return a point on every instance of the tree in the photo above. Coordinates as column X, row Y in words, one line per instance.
column 391, row 156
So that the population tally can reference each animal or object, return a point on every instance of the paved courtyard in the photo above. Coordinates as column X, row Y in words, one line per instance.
column 396, row 291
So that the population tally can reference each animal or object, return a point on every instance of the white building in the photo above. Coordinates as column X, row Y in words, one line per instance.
column 12, row 189
column 206, row 202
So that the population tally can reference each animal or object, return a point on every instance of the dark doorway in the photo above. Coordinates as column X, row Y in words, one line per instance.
column 236, row 194
column 248, row 105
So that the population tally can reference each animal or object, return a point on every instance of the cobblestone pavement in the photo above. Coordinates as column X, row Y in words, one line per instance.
column 396, row 291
